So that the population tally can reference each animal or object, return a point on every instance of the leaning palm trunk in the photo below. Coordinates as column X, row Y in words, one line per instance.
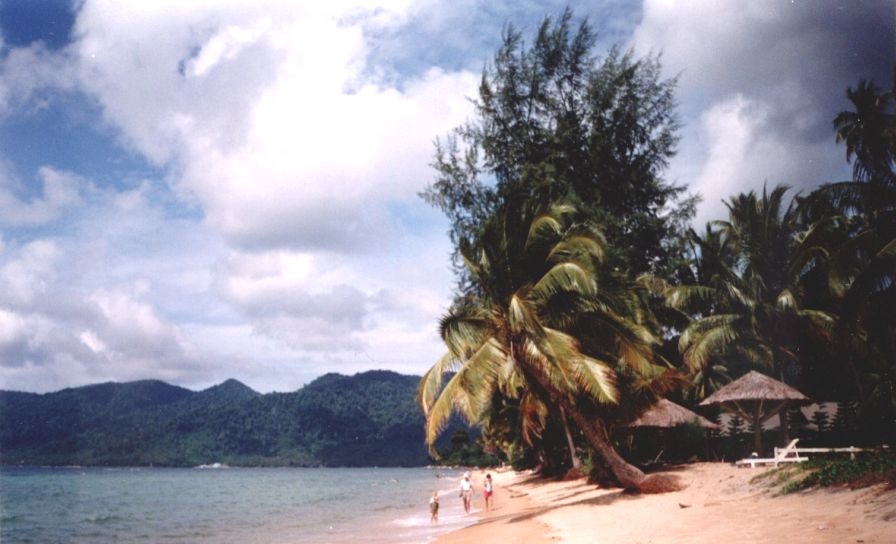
column 628, row 475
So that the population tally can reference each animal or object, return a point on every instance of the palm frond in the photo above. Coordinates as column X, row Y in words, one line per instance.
column 468, row 392
column 464, row 330
column 564, row 276
column 590, row 375
column 577, row 248
column 521, row 316
column 533, row 416
column 541, row 358
column 431, row 383
column 684, row 297
column 709, row 336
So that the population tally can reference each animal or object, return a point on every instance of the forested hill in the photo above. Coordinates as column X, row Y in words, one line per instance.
column 369, row 419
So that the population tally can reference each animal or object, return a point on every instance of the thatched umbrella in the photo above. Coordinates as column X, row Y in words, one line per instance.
column 756, row 398
column 666, row 414
column 662, row 418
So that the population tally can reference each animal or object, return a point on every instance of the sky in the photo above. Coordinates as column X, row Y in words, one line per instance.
column 203, row 190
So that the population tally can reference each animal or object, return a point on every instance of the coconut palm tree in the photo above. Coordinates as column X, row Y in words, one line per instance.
column 868, row 132
column 750, row 307
column 535, row 278
column 861, row 271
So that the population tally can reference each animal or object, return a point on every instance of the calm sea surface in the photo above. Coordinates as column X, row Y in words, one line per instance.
column 235, row 505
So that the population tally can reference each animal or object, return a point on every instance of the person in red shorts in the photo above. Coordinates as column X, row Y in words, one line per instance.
column 487, row 492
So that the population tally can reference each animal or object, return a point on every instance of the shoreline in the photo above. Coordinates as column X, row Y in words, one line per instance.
column 718, row 503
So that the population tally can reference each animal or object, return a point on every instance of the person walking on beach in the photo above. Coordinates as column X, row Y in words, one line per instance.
column 466, row 491
column 487, row 492
column 434, row 507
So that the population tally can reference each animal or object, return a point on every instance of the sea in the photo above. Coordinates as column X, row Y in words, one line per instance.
column 226, row 505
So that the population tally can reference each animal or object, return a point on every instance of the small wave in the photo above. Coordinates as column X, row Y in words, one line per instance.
column 413, row 521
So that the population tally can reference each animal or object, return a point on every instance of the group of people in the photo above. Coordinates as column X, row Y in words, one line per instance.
column 466, row 494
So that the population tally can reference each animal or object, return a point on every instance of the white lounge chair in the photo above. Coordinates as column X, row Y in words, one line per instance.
column 787, row 454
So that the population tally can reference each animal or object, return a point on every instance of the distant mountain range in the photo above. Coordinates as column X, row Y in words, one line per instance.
column 369, row 419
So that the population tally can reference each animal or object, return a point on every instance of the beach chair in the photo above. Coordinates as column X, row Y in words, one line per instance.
column 787, row 454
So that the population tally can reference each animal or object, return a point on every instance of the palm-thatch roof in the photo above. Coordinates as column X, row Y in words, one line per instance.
column 755, row 386
column 756, row 398
column 667, row 414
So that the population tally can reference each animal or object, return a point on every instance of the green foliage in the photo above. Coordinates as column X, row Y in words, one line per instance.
column 363, row 420
column 553, row 122
column 466, row 452
column 860, row 472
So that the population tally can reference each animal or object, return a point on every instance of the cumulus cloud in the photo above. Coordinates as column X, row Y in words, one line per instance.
column 269, row 114
column 26, row 73
column 54, row 194
column 80, row 305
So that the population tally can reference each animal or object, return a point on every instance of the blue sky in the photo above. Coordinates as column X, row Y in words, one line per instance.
column 194, row 191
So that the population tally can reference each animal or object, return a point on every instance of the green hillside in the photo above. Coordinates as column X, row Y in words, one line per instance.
column 369, row 419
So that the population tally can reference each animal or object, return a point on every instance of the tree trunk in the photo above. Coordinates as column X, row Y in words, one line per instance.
column 628, row 475
column 574, row 458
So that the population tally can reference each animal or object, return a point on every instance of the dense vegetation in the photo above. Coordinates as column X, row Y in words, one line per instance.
column 369, row 419
column 582, row 296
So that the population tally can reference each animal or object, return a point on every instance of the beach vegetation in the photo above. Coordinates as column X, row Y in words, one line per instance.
column 466, row 451
column 802, row 288
column 854, row 473
column 555, row 195
column 551, row 326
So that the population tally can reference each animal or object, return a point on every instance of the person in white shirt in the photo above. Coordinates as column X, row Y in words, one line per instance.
column 466, row 491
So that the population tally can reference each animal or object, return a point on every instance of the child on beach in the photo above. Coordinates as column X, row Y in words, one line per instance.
column 434, row 507
column 487, row 492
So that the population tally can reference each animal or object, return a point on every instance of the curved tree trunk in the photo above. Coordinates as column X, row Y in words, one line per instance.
column 628, row 475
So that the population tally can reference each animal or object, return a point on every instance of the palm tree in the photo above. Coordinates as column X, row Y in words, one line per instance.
column 534, row 275
column 861, row 275
column 869, row 131
column 750, row 306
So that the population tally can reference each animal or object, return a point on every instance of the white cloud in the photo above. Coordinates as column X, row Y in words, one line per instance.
column 269, row 116
column 26, row 73
column 56, row 193
column 26, row 273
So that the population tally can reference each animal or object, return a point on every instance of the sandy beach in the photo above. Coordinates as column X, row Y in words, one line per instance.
column 718, row 503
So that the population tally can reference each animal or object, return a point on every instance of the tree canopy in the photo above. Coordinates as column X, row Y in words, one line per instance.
column 553, row 121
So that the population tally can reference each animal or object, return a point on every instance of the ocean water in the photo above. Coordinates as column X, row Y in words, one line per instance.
column 229, row 505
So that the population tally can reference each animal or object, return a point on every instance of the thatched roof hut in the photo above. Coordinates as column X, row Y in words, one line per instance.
column 666, row 414
column 756, row 398
column 755, row 386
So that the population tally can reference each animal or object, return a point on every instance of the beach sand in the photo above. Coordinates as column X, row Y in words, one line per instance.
column 718, row 504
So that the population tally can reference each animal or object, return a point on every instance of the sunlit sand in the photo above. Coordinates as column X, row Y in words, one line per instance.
column 718, row 504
